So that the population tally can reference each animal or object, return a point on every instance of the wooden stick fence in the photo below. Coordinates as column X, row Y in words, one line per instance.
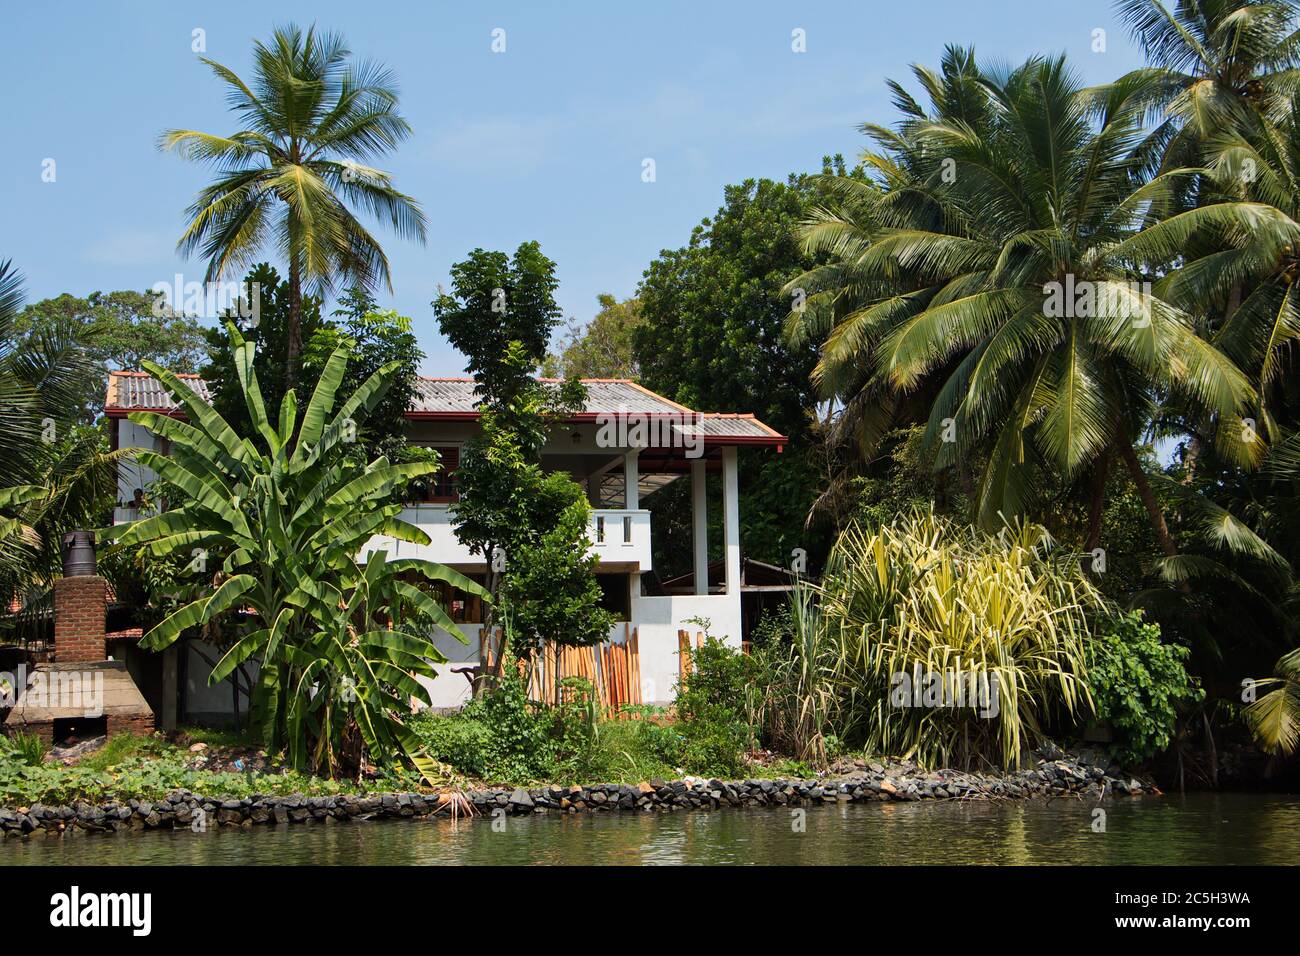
column 612, row 669
column 685, row 665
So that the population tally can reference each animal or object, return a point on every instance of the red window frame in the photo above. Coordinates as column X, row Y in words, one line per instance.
column 442, row 489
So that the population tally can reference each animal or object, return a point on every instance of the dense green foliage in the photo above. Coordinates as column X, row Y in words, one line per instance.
column 715, row 710
column 1053, row 282
column 143, row 768
column 372, row 338
column 117, row 330
column 550, row 586
column 276, row 526
column 1275, row 717
column 502, row 737
column 710, row 336
column 1138, row 686
column 529, row 526
column 312, row 120
column 932, row 640
column 601, row 349
column 56, row 472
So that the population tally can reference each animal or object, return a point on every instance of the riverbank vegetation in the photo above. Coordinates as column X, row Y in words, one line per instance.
column 1034, row 353
column 149, row 768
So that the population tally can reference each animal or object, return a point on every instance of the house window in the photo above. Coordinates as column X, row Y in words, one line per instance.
column 442, row 484
column 615, row 596
column 461, row 607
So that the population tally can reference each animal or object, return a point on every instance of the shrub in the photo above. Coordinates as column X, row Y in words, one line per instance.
column 495, row 739
column 463, row 743
column 27, row 749
column 498, row 737
column 146, row 768
column 716, row 707
column 927, row 596
column 1138, row 684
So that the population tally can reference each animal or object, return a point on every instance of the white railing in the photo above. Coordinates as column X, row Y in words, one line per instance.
column 621, row 536
column 618, row 537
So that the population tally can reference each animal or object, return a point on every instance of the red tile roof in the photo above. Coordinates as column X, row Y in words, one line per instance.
column 451, row 399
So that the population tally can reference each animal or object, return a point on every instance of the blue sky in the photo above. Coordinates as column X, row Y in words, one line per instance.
column 544, row 141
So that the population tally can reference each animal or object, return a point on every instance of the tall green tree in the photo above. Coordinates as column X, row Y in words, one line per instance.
column 529, row 526
column 117, row 330
column 1000, row 258
column 711, row 337
column 372, row 338
column 1213, row 65
column 603, row 347
column 270, row 337
column 311, row 122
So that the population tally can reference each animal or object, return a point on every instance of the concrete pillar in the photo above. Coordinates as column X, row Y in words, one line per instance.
column 170, row 686
column 700, row 524
column 731, row 518
column 631, row 477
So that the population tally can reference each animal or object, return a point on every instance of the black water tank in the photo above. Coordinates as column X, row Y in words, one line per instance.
column 78, row 554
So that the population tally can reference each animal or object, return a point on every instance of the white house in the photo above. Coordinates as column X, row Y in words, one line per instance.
column 626, row 445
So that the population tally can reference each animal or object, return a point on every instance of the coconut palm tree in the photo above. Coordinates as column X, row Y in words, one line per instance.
column 1253, row 264
column 999, row 262
column 1214, row 65
column 55, row 475
column 1223, row 74
column 311, row 121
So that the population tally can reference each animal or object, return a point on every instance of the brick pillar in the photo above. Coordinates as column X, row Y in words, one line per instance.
column 80, row 604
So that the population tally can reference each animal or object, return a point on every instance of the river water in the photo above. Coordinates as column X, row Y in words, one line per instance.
column 1195, row 829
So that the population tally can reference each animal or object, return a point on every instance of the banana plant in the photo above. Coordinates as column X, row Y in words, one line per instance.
column 282, row 519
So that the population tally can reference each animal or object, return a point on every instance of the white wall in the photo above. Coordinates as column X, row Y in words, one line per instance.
column 131, row 475
column 657, row 621
column 450, row 690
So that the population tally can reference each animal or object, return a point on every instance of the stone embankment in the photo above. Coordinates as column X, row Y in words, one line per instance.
column 852, row 782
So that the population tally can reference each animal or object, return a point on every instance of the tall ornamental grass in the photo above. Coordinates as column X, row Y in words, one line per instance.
column 1005, row 614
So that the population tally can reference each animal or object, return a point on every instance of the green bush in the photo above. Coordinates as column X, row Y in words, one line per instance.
column 715, row 707
column 499, row 737
column 1138, row 684
column 463, row 743
column 27, row 749
column 1001, row 620
column 503, row 737
column 147, row 768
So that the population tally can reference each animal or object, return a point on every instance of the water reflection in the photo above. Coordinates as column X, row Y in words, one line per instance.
column 1197, row 829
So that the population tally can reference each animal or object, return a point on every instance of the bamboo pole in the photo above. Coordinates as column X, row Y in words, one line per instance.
column 623, row 669
column 635, row 643
column 602, row 661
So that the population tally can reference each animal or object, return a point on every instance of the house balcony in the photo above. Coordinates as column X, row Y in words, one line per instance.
column 619, row 537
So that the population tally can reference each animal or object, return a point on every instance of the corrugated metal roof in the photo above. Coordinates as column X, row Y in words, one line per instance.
column 134, row 391
column 140, row 390
column 456, row 395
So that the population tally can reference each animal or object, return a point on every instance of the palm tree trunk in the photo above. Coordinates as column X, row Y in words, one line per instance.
column 1163, row 538
column 1095, row 507
column 293, row 334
